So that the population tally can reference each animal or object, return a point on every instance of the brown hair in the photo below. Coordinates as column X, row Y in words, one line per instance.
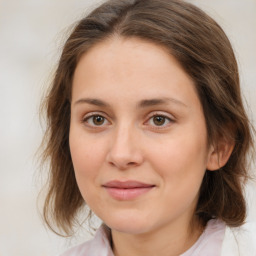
column 205, row 53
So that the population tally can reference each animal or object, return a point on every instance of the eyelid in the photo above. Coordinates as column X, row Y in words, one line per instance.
column 161, row 113
column 92, row 114
column 168, row 116
column 164, row 114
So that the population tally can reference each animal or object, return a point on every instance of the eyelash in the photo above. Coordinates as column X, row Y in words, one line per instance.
column 167, row 120
column 86, row 120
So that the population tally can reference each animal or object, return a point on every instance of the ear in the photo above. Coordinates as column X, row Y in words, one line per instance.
column 219, row 154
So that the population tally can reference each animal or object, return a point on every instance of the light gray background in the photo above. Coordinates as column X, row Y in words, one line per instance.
column 31, row 34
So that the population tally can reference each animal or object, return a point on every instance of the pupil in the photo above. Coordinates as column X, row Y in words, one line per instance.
column 159, row 120
column 98, row 120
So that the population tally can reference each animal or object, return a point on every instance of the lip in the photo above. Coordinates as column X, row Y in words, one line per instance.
column 127, row 190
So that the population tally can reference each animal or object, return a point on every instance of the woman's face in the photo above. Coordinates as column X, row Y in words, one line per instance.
column 138, row 136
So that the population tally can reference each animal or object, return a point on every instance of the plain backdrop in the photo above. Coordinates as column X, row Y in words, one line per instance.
column 31, row 35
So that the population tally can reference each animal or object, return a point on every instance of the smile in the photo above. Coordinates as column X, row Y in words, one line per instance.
column 127, row 190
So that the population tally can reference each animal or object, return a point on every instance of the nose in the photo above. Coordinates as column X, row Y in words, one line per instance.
column 125, row 151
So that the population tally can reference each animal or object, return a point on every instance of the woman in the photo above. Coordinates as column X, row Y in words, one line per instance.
column 146, row 126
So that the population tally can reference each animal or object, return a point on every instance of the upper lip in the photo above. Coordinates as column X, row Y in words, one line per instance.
column 127, row 184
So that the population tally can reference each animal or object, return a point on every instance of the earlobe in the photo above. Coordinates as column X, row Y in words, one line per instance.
column 219, row 154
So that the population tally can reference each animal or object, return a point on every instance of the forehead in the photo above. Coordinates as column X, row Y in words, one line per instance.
column 132, row 67
column 125, row 51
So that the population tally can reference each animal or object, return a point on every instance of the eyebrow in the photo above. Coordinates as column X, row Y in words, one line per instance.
column 95, row 102
column 142, row 104
column 159, row 101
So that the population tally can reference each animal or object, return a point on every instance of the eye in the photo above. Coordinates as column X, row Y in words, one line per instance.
column 159, row 121
column 95, row 120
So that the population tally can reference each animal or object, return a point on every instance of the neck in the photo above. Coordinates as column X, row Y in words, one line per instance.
column 169, row 240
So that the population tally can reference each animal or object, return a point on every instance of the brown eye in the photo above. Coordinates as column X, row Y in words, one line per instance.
column 98, row 120
column 159, row 120
column 95, row 120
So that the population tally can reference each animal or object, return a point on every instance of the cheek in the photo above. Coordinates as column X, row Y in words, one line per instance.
column 182, row 157
column 181, row 165
column 87, row 156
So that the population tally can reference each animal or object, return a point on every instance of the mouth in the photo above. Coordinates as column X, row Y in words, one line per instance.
column 127, row 190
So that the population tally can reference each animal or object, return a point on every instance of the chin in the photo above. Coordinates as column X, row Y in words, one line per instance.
column 128, row 224
column 130, row 229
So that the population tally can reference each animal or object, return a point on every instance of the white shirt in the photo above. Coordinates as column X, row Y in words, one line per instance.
column 216, row 240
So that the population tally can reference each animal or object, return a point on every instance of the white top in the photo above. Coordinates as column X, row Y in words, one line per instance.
column 210, row 242
column 216, row 240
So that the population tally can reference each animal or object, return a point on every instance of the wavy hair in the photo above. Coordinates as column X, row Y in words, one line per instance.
column 205, row 53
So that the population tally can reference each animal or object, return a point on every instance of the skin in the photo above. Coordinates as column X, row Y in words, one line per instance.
column 117, row 80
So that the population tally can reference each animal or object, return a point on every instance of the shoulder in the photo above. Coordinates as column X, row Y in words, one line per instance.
column 99, row 245
column 240, row 241
column 210, row 242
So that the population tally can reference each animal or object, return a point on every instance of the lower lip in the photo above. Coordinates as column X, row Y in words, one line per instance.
column 127, row 193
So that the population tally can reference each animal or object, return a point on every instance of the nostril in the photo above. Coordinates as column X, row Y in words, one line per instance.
column 124, row 158
column 123, row 166
column 131, row 163
column 112, row 163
